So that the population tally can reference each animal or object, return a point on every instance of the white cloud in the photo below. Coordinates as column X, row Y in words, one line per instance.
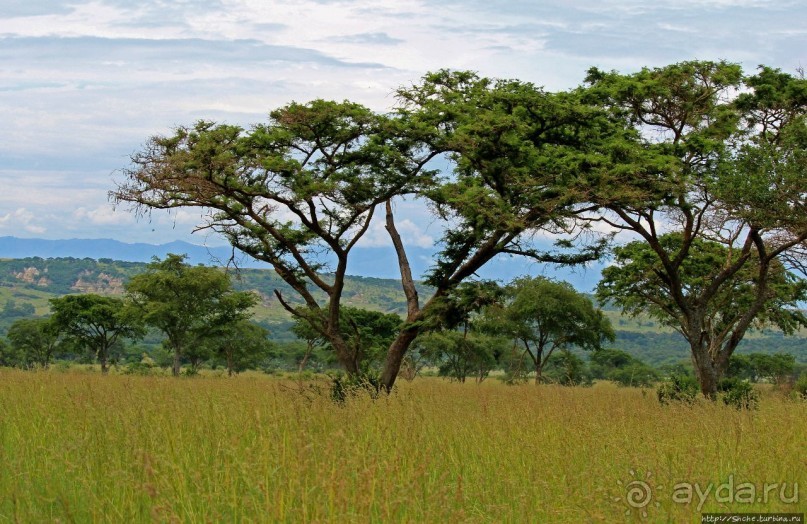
column 103, row 215
column 84, row 83
column 411, row 234
column 22, row 219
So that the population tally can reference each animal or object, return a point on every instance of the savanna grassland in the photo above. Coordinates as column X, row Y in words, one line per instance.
column 80, row 447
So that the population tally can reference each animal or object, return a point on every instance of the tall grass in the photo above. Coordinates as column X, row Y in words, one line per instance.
column 80, row 447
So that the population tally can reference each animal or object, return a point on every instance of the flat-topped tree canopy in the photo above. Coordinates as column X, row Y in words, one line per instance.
column 723, row 180
column 309, row 182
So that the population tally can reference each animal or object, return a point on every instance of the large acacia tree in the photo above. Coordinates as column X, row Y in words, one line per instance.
column 300, row 191
column 715, row 197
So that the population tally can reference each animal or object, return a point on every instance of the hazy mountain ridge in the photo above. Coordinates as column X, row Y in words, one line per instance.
column 374, row 262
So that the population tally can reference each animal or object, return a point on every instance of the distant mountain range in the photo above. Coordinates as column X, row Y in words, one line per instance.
column 377, row 262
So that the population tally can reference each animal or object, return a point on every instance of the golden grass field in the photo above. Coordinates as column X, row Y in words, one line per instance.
column 79, row 447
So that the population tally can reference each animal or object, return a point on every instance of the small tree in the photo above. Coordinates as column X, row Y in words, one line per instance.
column 187, row 303
column 367, row 335
column 96, row 322
column 543, row 315
column 9, row 357
column 34, row 341
column 242, row 345
column 455, row 338
column 637, row 282
column 567, row 369
column 759, row 366
column 622, row 368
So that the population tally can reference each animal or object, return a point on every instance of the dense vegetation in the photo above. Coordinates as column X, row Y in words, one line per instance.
column 651, row 345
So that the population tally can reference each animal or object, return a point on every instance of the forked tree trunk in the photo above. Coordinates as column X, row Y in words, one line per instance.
column 400, row 345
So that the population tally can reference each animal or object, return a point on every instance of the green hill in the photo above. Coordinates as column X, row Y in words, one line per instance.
column 27, row 284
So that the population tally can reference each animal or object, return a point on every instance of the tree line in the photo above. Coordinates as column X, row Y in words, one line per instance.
column 194, row 308
column 533, row 328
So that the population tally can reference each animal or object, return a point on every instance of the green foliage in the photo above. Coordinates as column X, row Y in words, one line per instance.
column 187, row 304
column 459, row 355
column 738, row 393
column 34, row 342
column 8, row 357
column 14, row 310
column 801, row 386
column 775, row 368
column 567, row 369
column 241, row 345
column 637, row 284
column 367, row 333
column 138, row 368
column 345, row 386
column 622, row 368
column 679, row 388
column 542, row 315
column 457, row 340
column 98, row 323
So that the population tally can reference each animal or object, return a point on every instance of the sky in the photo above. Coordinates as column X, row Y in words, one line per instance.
column 83, row 84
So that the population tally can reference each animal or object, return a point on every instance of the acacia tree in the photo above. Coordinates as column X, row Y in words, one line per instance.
column 34, row 341
column 96, row 322
column 241, row 344
column 543, row 315
column 187, row 303
column 725, row 173
column 367, row 333
column 304, row 188
column 454, row 339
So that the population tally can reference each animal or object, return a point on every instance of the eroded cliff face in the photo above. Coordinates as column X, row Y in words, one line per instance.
column 32, row 275
column 102, row 284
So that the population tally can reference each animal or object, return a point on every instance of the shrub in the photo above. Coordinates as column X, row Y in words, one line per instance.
column 801, row 386
column 680, row 388
column 137, row 368
column 739, row 393
column 635, row 374
column 344, row 386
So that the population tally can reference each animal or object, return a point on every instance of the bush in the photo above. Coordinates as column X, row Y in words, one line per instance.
column 137, row 368
column 567, row 369
column 801, row 386
column 636, row 374
column 739, row 393
column 680, row 388
column 344, row 386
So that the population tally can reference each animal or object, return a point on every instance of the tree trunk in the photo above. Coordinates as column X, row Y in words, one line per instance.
column 304, row 360
column 176, row 366
column 103, row 358
column 400, row 345
column 707, row 371
column 229, row 364
column 395, row 356
column 539, row 366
